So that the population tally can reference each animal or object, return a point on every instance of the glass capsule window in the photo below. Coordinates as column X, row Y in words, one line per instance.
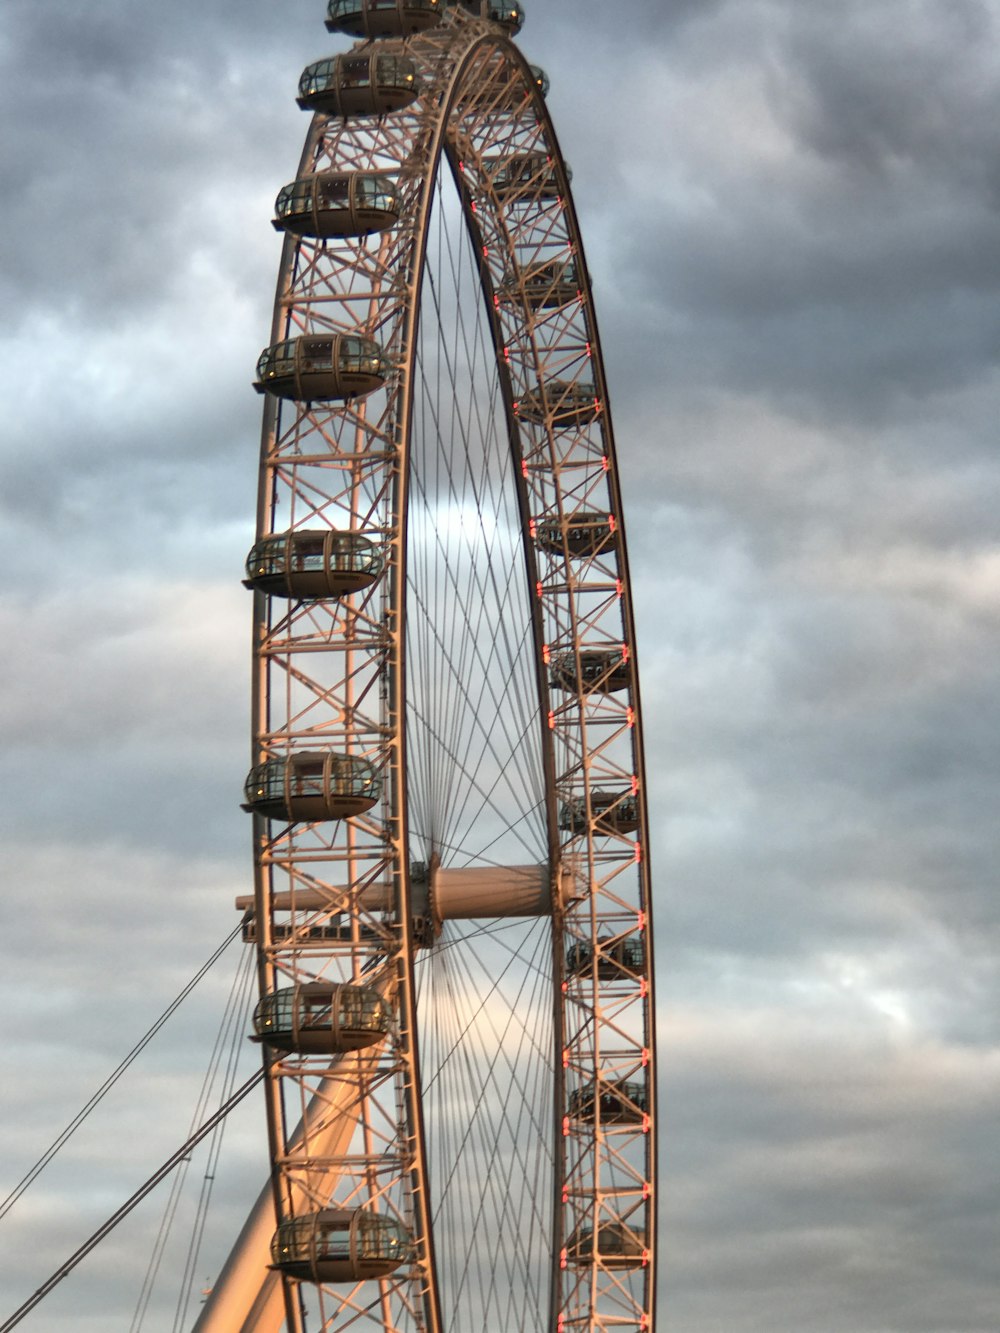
column 292, row 1241
column 377, row 192
column 294, row 198
column 620, row 813
column 317, row 78
column 382, row 72
column 568, row 397
column 333, row 1240
column 352, row 777
column 614, row 1240
column 340, row 10
column 266, row 782
column 596, row 532
column 608, row 669
column 511, row 16
column 267, row 557
column 275, row 1013
column 585, row 533
column 636, row 1093
column 360, row 356
column 567, row 403
column 395, row 71
column 382, row 18
column 521, row 170
column 305, row 552
column 355, row 72
column 627, row 954
column 618, row 1100
column 540, row 79
column 361, row 1010
column 298, row 1014
column 554, row 274
column 381, row 1238
column 631, row 953
column 338, row 193
column 306, row 775
column 351, row 551
column 276, row 361
column 595, row 665
column 316, row 354
column 333, row 192
column 340, row 1236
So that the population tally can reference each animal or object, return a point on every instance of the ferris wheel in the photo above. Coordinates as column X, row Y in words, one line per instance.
column 452, row 902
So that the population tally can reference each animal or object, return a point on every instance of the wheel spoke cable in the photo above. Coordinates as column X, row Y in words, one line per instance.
column 43, row 1161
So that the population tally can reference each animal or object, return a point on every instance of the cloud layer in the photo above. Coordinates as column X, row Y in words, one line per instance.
column 792, row 226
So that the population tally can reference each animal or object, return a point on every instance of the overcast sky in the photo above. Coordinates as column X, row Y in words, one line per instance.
column 791, row 210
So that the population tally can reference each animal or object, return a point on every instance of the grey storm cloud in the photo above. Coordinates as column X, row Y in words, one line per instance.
column 790, row 213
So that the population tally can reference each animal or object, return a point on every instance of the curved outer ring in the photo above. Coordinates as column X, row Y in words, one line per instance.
column 465, row 39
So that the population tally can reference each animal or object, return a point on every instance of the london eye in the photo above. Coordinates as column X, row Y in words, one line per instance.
column 451, row 910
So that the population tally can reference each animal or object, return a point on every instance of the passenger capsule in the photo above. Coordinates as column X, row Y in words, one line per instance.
column 337, row 203
column 328, row 931
column 545, row 287
column 540, row 79
column 563, row 402
column 335, row 931
column 600, row 672
column 616, row 959
column 371, row 84
column 619, row 1102
column 310, row 563
column 509, row 16
column 617, row 1246
column 312, row 785
column 581, row 533
column 340, row 1245
column 321, row 366
column 382, row 18
column 611, row 814
column 321, row 1017
column 531, row 175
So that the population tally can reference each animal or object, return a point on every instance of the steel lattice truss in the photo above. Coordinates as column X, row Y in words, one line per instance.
column 496, row 639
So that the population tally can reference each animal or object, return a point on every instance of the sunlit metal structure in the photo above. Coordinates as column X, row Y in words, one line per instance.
column 452, row 900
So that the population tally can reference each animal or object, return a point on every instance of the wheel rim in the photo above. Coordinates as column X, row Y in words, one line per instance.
column 339, row 900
